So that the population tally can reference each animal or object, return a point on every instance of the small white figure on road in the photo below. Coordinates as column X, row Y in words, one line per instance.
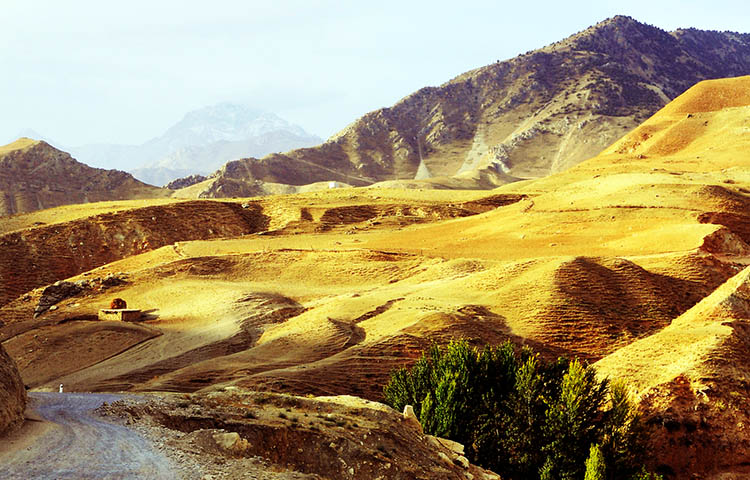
column 61, row 388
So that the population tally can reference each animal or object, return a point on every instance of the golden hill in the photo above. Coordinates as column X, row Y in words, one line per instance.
column 692, row 381
column 36, row 176
column 623, row 258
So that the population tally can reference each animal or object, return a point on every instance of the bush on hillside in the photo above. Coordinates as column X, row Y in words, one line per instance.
column 521, row 416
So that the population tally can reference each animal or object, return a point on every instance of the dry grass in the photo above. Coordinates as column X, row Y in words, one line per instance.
column 608, row 260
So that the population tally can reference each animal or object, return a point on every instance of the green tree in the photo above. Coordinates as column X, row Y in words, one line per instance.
column 455, row 384
column 572, row 420
column 521, row 416
column 595, row 465
column 444, row 387
column 623, row 436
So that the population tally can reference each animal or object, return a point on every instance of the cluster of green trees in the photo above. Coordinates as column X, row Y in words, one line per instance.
column 523, row 417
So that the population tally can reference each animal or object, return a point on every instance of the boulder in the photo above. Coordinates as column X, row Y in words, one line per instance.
column 454, row 447
column 411, row 417
column 112, row 280
column 219, row 442
column 56, row 293
column 118, row 303
column 12, row 394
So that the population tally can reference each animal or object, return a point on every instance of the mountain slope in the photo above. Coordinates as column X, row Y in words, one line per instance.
column 538, row 113
column 35, row 175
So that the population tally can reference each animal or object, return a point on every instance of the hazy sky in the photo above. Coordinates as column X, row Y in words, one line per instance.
column 83, row 71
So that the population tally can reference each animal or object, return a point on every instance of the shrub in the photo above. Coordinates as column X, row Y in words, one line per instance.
column 521, row 416
column 595, row 466
column 643, row 474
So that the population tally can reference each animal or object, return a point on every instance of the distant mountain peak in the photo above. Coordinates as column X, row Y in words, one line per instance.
column 223, row 111
column 201, row 142
column 620, row 20
column 226, row 122
column 34, row 135
column 620, row 31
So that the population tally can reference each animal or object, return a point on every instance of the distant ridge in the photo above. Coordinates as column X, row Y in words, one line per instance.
column 200, row 143
column 535, row 114
column 34, row 176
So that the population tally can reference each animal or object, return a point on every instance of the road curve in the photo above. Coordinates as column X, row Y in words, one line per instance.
column 83, row 445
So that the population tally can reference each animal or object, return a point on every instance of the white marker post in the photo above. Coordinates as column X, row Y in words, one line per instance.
column 61, row 388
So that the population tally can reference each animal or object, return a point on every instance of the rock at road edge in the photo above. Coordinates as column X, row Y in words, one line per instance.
column 12, row 394
column 411, row 417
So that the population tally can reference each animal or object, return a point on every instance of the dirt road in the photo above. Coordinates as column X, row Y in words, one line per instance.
column 82, row 445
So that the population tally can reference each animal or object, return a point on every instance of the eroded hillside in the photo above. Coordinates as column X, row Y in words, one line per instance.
column 39, row 255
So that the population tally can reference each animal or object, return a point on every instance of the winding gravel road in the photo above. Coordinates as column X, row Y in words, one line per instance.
column 83, row 445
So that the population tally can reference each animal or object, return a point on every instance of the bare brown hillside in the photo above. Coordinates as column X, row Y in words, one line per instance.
column 40, row 255
column 692, row 380
column 35, row 176
column 75, row 242
column 12, row 394
column 529, row 116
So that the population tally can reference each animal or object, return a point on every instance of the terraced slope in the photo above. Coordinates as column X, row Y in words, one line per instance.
column 37, row 256
column 692, row 380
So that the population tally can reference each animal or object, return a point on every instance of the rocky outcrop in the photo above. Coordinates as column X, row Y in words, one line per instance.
column 185, row 182
column 59, row 291
column 538, row 113
column 12, row 394
column 35, row 175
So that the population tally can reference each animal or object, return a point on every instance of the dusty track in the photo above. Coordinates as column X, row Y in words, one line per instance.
column 81, row 445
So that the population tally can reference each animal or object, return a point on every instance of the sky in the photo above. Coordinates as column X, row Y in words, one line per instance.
column 81, row 71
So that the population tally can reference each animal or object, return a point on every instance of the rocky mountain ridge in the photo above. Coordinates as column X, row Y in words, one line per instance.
column 529, row 116
column 35, row 175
